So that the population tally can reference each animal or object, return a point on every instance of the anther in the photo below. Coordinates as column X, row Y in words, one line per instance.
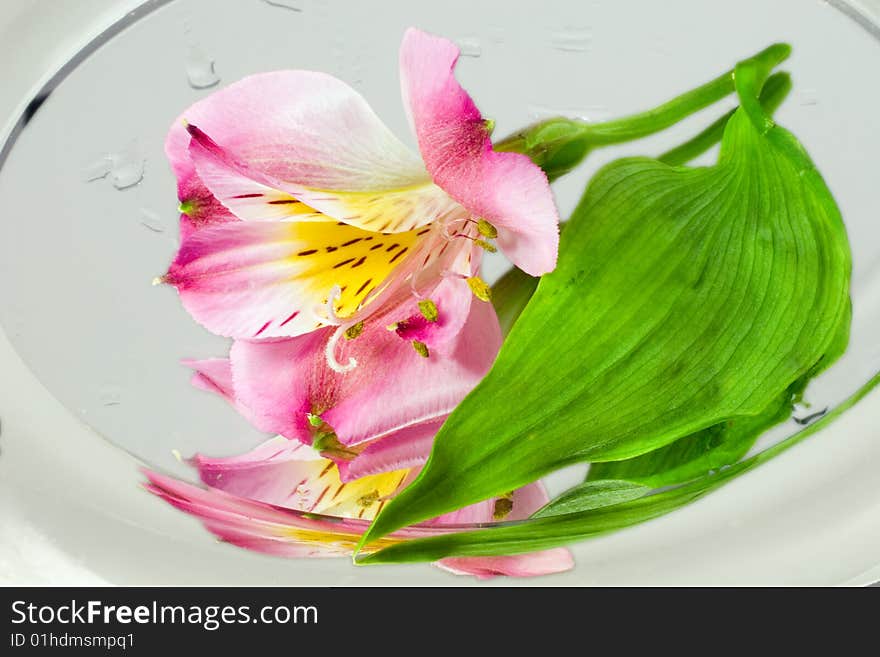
column 429, row 310
column 486, row 246
column 421, row 348
column 503, row 507
column 486, row 229
column 480, row 288
column 354, row 331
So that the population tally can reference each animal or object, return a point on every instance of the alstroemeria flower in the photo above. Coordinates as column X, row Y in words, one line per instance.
column 302, row 210
column 382, row 414
column 284, row 499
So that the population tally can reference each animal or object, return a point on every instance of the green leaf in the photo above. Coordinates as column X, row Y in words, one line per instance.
column 718, row 446
column 683, row 298
column 593, row 495
column 542, row 533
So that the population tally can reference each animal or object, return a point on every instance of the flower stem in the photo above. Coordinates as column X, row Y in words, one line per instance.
column 558, row 145
column 774, row 92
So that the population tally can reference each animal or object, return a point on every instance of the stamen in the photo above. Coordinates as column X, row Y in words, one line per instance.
column 483, row 244
column 368, row 499
column 503, row 507
column 327, row 443
column 486, row 229
column 354, row 331
column 429, row 310
column 421, row 348
column 480, row 288
column 314, row 419
column 329, row 307
column 330, row 352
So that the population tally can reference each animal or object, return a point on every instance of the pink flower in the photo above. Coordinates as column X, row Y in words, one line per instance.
column 346, row 267
column 302, row 210
column 284, row 499
column 378, row 416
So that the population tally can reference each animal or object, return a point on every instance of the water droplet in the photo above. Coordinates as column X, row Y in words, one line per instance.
column 110, row 395
column 293, row 5
column 809, row 419
column 808, row 97
column 200, row 68
column 98, row 169
column 572, row 39
column 152, row 221
column 124, row 168
column 470, row 47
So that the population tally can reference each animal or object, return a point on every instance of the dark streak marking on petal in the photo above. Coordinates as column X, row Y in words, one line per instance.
column 391, row 248
column 354, row 241
column 359, row 262
column 376, row 246
column 320, row 497
column 344, row 262
column 307, row 252
column 398, row 254
column 265, row 326
column 283, row 201
column 338, row 490
column 361, row 288
column 289, row 318
column 247, row 196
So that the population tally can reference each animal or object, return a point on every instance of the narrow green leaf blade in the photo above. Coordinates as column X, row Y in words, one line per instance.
column 553, row 531
column 593, row 495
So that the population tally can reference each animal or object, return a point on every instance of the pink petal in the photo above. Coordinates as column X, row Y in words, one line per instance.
column 270, row 473
column 198, row 204
column 258, row 526
column 299, row 126
column 407, row 448
column 546, row 562
column 289, row 474
column 215, row 375
column 231, row 277
column 268, row 279
column 253, row 195
column 212, row 375
column 290, row 533
column 506, row 189
column 391, row 388
column 308, row 134
column 526, row 501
